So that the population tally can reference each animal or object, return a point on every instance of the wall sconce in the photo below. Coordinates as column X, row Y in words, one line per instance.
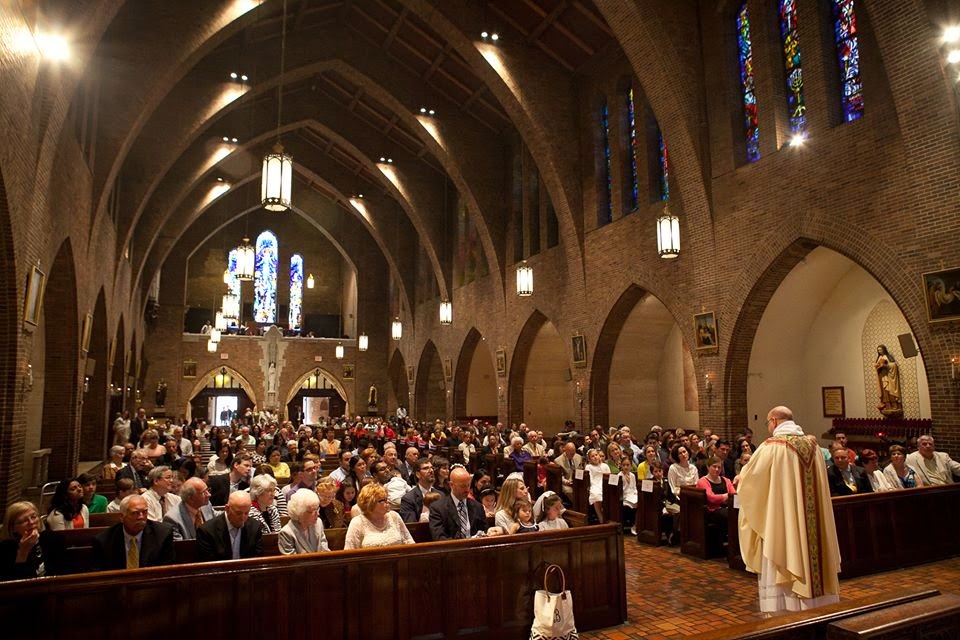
column 954, row 362
column 29, row 377
column 86, row 384
column 500, row 392
column 708, row 387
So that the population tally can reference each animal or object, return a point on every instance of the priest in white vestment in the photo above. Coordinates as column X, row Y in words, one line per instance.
column 787, row 532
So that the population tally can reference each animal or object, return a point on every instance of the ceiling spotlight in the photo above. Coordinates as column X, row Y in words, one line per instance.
column 494, row 36
column 797, row 140
column 360, row 195
column 484, row 35
column 951, row 34
column 386, row 160
column 226, row 139
column 219, row 178
column 427, row 112
column 954, row 56
column 234, row 140
column 53, row 46
column 423, row 109
column 244, row 77
column 233, row 75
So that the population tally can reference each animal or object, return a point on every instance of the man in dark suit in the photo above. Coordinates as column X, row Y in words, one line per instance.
column 411, row 504
column 231, row 536
column 844, row 478
column 193, row 511
column 237, row 480
column 137, row 470
column 135, row 541
column 137, row 426
column 456, row 516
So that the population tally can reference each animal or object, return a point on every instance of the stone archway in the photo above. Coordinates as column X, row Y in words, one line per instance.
column 398, row 391
column 475, row 380
column 335, row 383
column 202, row 382
column 541, row 387
column 431, row 388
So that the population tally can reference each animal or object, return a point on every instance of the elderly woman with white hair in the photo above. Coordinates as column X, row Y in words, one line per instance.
column 263, row 506
column 110, row 470
column 517, row 453
column 304, row 533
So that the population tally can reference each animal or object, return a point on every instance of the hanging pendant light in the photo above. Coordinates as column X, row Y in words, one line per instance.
column 245, row 260
column 524, row 280
column 668, row 234
column 215, row 335
column 220, row 323
column 446, row 312
column 277, row 178
column 231, row 307
column 211, row 346
column 363, row 342
column 310, row 281
column 396, row 329
column 339, row 351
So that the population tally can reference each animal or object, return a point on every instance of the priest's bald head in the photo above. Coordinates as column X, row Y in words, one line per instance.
column 776, row 416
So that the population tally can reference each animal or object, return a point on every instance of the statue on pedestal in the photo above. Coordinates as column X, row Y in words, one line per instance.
column 161, row 395
column 888, row 378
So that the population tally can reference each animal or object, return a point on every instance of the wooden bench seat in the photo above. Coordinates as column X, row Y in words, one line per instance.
column 935, row 617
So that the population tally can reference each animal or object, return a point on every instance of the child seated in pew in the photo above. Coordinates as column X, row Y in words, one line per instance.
column 548, row 511
column 124, row 488
column 522, row 513
column 428, row 499
column 596, row 469
column 488, row 498
column 670, row 514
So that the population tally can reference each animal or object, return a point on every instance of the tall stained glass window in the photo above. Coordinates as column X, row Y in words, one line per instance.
column 848, row 57
column 265, row 279
column 606, row 208
column 663, row 171
column 296, row 291
column 634, row 193
column 790, row 37
column 751, row 127
column 234, row 284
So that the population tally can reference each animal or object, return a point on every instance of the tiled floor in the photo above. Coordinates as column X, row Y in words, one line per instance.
column 671, row 595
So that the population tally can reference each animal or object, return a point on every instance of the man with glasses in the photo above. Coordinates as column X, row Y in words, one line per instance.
column 308, row 476
column 411, row 505
column 787, row 531
column 194, row 510
column 159, row 499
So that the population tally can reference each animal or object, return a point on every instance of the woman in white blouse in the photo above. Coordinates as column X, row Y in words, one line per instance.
column 681, row 473
column 377, row 525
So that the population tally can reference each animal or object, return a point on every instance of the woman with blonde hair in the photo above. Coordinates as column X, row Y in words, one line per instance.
column 377, row 525
column 512, row 490
column 331, row 510
column 27, row 551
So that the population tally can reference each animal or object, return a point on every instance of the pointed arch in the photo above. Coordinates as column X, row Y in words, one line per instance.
column 202, row 382
column 335, row 382
column 431, row 388
column 95, row 436
column 603, row 352
column 60, row 426
column 474, row 360
column 398, row 392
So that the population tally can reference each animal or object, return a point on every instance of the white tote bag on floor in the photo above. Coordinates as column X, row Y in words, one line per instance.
column 553, row 612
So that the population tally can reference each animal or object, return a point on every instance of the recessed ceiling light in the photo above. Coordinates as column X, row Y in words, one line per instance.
column 484, row 35
column 219, row 178
column 494, row 36
column 233, row 140
column 951, row 34
column 225, row 139
column 233, row 75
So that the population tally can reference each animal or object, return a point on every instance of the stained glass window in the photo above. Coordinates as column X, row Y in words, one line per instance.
column 848, row 57
column 606, row 209
column 234, row 284
column 663, row 174
column 634, row 199
column 265, row 279
column 790, row 36
column 751, row 127
column 296, row 291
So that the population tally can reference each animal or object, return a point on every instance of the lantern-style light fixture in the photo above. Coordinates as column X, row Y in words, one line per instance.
column 396, row 329
column 446, row 312
column 339, row 351
column 231, row 307
column 363, row 342
column 211, row 346
column 276, row 180
column 310, row 281
column 215, row 335
column 220, row 323
column 668, row 234
column 524, row 280
column 245, row 260
column 277, row 176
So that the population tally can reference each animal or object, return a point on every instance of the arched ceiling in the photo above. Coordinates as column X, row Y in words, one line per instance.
column 356, row 73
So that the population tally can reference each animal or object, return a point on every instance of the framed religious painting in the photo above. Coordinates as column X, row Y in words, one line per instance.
column 941, row 290
column 833, row 402
column 409, row 374
column 36, row 281
column 501, row 363
column 579, row 345
column 447, row 369
column 348, row 372
column 705, row 331
column 189, row 368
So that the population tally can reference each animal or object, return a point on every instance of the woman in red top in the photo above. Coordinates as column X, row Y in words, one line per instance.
column 718, row 489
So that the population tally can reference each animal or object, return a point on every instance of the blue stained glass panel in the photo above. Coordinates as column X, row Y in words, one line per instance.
column 265, row 279
column 790, row 36
column 234, row 285
column 751, row 125
column 664, row 173
column 848, row 58
column 296, row 291
column 607, row 213
column 632, row 151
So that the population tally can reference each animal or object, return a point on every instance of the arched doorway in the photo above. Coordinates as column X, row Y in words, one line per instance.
column 60, row 425
column 95, row 436
column 819, row 328
column 643, row 372
column 475, row 381
column 398, row 394
column 317, row 395
column 219, row 396
column 541, row 387
column 431, row 388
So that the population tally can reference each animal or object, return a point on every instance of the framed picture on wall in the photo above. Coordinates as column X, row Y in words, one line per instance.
column 409, row 374
column 348, row 372
column 87, row 330
column 447, row 369
column 833, row 404
column 189, row 368
column 941, row 290
column 501, row 363
column 705, row 331
column 36, row 281
column 579, row 344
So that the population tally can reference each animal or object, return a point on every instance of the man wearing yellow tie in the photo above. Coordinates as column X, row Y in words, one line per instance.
column 135, row 541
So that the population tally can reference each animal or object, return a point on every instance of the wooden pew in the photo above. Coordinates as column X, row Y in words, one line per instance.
column 697, row 538
column 104, row 519
column 555, row 479
column 581, row 491
column 878, row 531
column 530, row 479
column 612, row 498
column 936, row 617
column 815, row 623
column 496, row 576
column 649, row 516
